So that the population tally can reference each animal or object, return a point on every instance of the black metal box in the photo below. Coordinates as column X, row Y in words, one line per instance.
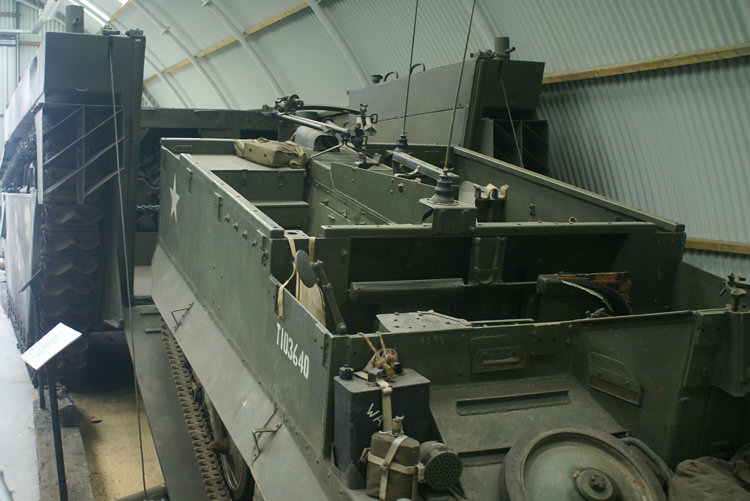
column 358, row 409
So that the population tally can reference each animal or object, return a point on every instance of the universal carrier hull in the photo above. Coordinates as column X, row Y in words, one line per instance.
column 494, row 301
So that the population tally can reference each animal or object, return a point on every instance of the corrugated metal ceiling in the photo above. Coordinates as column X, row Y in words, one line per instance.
column 570, row 34
column 671, row 141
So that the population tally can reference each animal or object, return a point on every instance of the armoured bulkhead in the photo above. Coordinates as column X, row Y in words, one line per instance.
column 70, row 125
column 495, row 113
column 530, row 303
column 156, row 123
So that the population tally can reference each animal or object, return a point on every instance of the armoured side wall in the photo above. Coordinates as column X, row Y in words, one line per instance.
column 212, row 261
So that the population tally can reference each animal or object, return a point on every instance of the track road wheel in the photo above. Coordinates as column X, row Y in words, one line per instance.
column 237, row 475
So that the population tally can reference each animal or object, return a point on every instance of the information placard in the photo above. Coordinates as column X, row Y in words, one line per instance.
column 55, row 341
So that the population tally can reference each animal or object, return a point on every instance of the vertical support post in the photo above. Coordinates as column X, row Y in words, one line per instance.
column 56, row 431
column 40, row 379
column 18, row 57
column 40, row 384
column 131, row 131
column 17, row 25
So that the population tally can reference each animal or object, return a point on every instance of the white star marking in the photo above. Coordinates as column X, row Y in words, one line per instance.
column 175, row 198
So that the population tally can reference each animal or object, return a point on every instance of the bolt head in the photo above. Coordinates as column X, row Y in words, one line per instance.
column 598, row 482
column 346, row 372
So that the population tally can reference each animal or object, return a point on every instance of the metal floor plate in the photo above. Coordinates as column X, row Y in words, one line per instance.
column 500, row 411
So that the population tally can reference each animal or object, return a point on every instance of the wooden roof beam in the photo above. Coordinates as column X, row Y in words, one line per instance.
column 231, row 40
column 654, row 63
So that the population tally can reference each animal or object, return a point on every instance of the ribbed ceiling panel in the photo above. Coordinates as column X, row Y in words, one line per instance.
column 570, row 34
column 670, row 142
column 305, row 59
column 193, row 24
column 245, row 14
column 156, row 41
column 673, row 142
column 191, row 82
column 234, row 65
column 566, row 34
column 379, row 33
column 719, row 264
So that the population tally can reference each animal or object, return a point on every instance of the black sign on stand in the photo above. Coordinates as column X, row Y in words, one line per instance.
column 40, row 355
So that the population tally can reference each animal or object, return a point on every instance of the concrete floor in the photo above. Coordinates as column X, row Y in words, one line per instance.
column 108, row 422
column 142, row 281
column 18, row 460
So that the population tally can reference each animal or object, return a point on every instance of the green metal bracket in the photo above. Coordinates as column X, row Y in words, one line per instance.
column 496, row 353
column 457, row 219
column 487, row 254
column 610, row 376
column 219, row 206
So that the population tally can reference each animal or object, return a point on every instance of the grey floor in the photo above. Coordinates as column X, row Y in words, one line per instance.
column 17, row 439
column 142, row 281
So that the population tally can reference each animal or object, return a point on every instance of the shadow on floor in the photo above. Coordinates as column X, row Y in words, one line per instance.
column 108, row 421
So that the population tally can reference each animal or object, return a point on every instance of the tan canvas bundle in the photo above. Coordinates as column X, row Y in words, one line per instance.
column 270, row 153
column 392, row 467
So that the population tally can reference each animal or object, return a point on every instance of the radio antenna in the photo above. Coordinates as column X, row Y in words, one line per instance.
column 458, row 87
column 402, row 144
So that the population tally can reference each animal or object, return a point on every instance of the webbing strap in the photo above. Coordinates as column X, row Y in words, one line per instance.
column 385, row 391
column 385, row 394
column 406, row 470
column 386, row 466
column 280, row 296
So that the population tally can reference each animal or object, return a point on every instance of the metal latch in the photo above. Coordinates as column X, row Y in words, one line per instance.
column 219, row 205
column 186, row 309
column 257, row 432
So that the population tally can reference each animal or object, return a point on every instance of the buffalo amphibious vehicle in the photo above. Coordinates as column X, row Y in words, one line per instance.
column 71, row 140
column 73, row 119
